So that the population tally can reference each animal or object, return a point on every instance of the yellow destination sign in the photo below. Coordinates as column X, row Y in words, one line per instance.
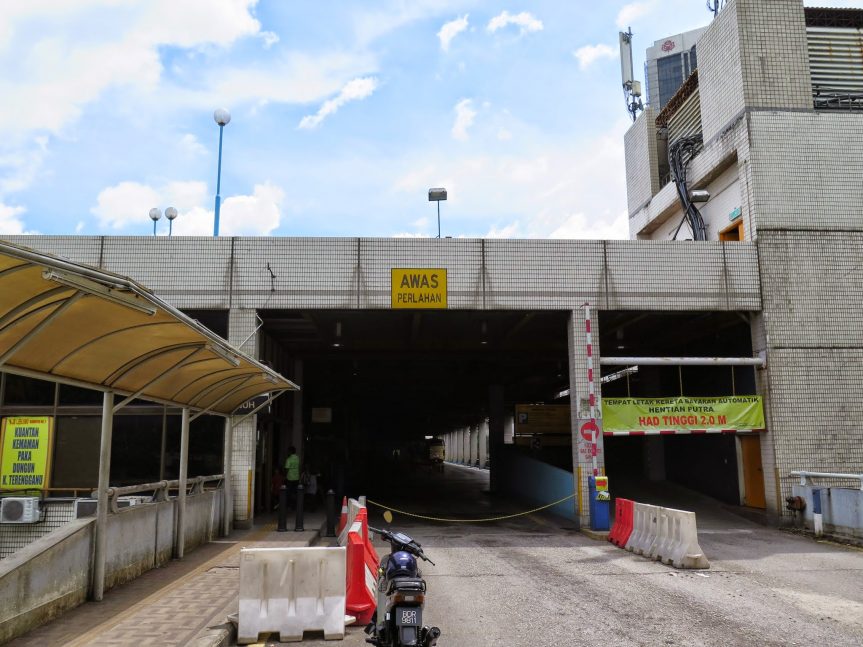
column 418, row 288
column 25, row 453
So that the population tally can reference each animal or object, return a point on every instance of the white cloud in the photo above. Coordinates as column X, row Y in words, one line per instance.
column 525, row 21
column 9, row 221
column 126, row 205
column 190, row 146
column 450, row 30
column 631, row 12
column 464, row 118
column 551, row 189
column 589, row 54
column 354, row 90
column 63, row 70
column 270, row 38
column 504, row 135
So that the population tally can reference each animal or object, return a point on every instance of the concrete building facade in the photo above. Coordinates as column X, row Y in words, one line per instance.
column 779, row 131
column 782, row 170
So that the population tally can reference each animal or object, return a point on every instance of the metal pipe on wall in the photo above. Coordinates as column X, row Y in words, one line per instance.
column 683, row 361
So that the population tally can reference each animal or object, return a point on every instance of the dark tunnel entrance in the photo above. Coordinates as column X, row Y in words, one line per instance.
column 662, row 468
column 378, row 385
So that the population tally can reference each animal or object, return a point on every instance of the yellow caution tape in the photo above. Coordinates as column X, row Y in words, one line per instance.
column 501, row 518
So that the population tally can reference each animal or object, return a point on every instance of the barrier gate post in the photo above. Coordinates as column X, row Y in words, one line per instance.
column 599, row 499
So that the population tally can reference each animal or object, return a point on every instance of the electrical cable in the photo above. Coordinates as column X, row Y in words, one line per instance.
column 680, row 153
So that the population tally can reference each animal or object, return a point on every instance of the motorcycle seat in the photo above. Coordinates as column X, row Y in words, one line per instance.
column 407, row 584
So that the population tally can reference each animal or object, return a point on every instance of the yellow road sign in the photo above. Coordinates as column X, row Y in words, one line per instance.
column 413, row 288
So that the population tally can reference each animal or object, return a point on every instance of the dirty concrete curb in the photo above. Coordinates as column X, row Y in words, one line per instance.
column 222, row 635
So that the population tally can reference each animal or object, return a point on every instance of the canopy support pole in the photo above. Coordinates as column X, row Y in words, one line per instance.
column 102, row 501
column 228, row 493
column 181, row 494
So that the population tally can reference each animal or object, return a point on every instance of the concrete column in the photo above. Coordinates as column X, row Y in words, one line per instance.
column 496, row 420
column 102, row 502
column 774, row 497
column 180, row 546
column 471, row 445
column 241, row 324
column 297, row 420
column 580, row 406
column 482, row 441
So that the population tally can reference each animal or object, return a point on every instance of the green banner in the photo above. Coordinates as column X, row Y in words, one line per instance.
column 652, row 415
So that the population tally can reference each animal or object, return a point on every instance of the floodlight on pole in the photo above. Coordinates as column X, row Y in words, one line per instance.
column 155, row 214
column 170, row 214
column 436, row 195
column 222, row 117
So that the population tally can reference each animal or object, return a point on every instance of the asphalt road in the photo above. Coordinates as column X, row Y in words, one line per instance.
column 536, row 582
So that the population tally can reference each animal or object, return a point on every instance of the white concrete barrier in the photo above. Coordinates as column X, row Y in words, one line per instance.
column 644, row 529
column 291, row 590
column 681, row 549
column 666, row 535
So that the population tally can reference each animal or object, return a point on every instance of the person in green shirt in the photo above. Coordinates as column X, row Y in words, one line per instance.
column 292, row 474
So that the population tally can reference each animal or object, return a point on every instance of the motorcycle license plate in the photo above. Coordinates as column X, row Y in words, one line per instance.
column 409, row 617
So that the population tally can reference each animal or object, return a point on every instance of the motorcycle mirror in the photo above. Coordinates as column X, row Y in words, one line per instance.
column 388, row 516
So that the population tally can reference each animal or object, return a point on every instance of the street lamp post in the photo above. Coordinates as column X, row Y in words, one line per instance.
column 155, row 214
column 223, row 118
column 436, row 195
column 170, row 214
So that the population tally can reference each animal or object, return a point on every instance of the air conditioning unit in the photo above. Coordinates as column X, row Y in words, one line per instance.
column 123, row 501
column 85, row 508
column 19, row 509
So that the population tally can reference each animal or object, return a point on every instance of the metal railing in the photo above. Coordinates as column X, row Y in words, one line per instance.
column 160, row 489
column 806, row 476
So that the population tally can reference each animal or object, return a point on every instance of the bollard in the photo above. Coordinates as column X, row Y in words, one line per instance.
column 331, row 514
column 283, row 509
column 301, row 491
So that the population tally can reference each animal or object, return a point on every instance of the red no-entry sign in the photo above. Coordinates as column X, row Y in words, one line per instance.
column 588, row 430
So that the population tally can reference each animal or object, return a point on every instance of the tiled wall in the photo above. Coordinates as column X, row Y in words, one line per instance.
column 719, row 79
column 774, row 54
column 813, row 319
column 482, row 274
column 806, row 169
column 241, row 328
column 642, row 170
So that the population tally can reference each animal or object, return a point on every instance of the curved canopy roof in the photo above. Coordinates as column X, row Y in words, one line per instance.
column 70, row 323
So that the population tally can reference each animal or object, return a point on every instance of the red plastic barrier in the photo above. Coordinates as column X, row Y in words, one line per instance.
column 360, row 598
column 629, row 520
column 614, row 534
column 623, row 521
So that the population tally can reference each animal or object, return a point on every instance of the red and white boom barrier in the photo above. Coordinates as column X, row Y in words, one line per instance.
column 663, row 534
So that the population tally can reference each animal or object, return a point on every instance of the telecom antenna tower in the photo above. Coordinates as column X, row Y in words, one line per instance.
column 631, row 87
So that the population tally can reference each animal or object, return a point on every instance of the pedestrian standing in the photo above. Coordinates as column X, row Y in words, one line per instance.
column 292, row 473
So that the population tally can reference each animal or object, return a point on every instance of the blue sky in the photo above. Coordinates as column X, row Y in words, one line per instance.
column 344, row 113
